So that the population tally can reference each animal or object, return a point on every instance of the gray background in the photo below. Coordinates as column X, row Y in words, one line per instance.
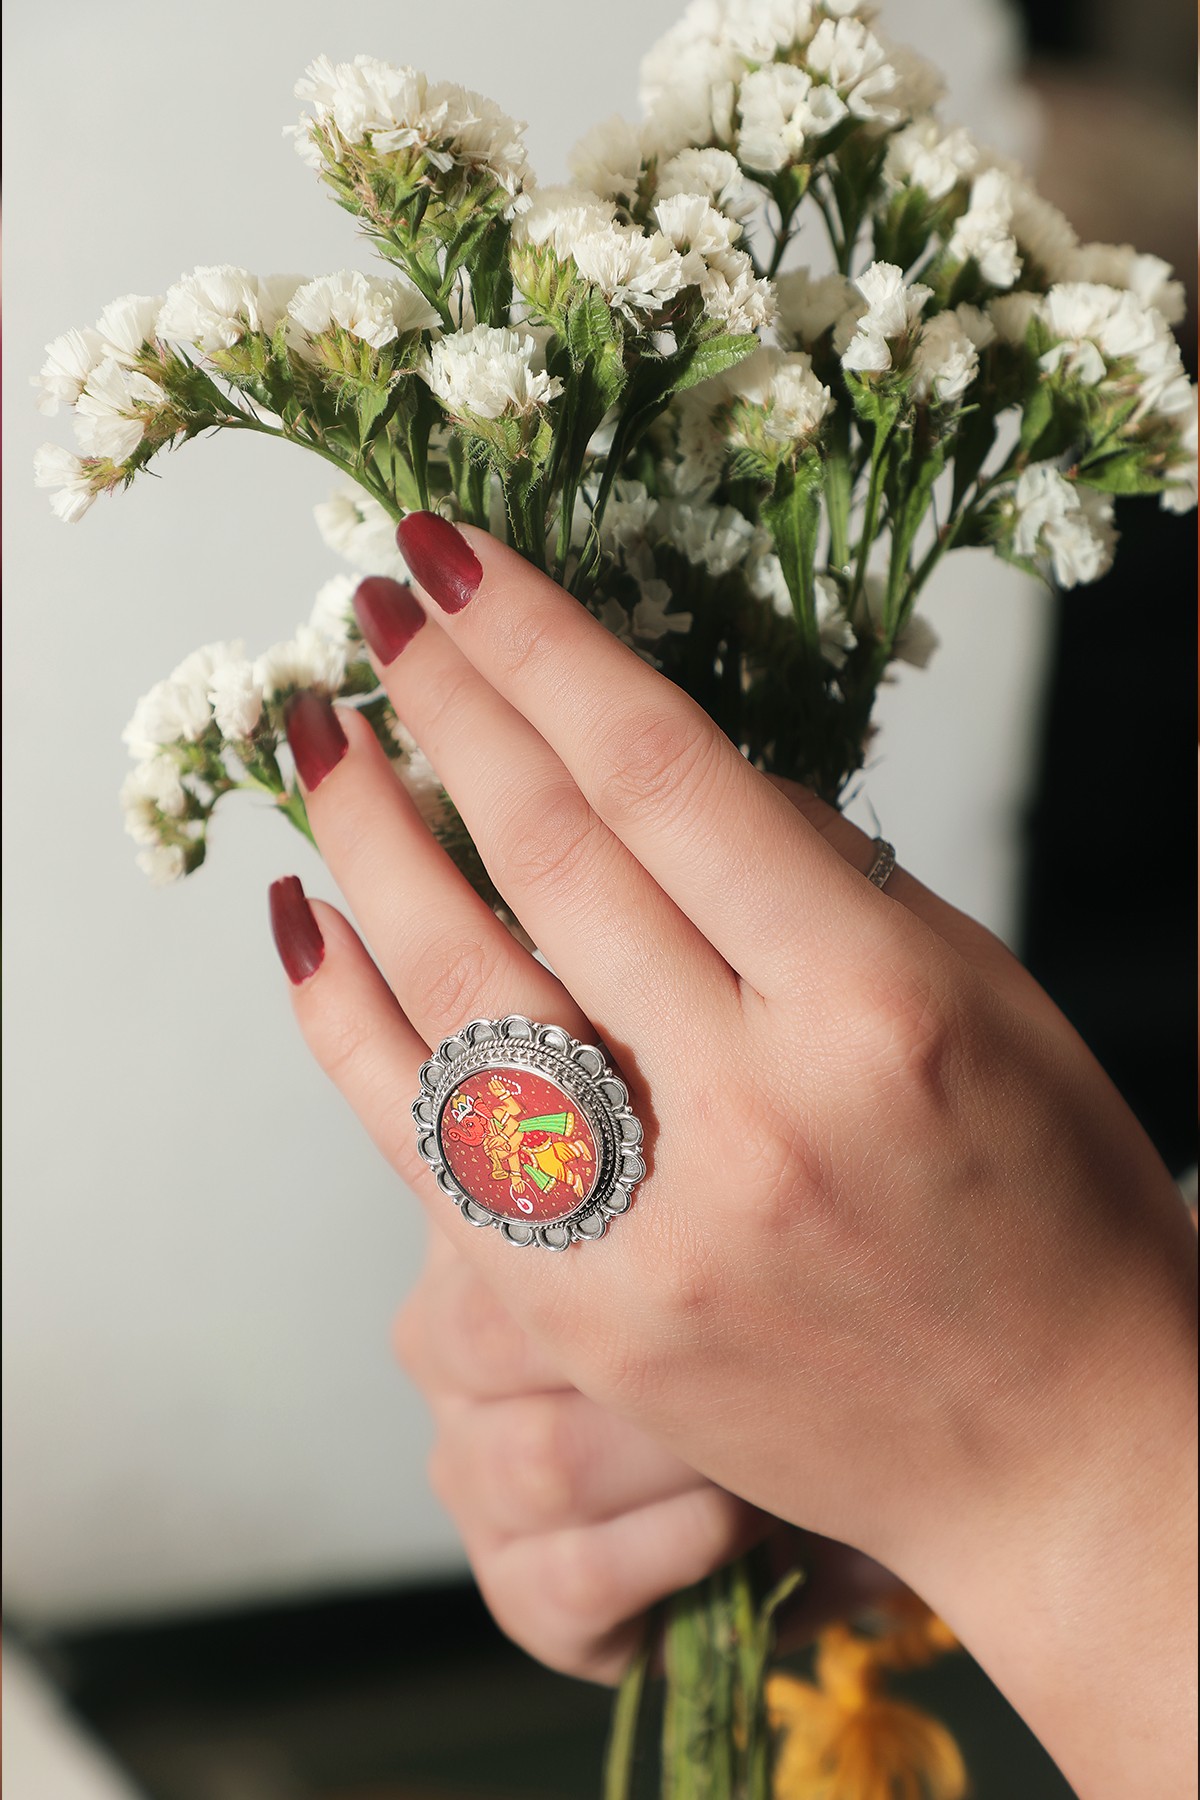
column 203, row 1252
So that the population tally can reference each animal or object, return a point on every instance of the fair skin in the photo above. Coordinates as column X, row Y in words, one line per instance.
column 904, row 1272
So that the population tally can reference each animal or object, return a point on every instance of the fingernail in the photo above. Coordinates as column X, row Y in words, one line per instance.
column 440, row 558
column 389, row 615
column 316, row 737
column 296, row 932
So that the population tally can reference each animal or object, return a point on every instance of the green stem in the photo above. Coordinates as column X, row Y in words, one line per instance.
column 870, row 525
column 622, row 1738
column 839, row 487
column 377, row 491
column 783, row 238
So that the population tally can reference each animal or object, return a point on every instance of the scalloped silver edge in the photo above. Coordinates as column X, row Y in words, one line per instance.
column 583, row 1072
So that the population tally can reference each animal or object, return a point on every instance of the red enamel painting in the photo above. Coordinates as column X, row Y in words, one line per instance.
column 518, row 1145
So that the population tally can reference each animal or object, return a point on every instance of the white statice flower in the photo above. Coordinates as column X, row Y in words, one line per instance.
column 559, row 217
column 217, row 305
column 164, row 864
column 984, row 232
column 171, row 713
column 398, row 109
column 808, row 307
column 635, row 272
column 56, row 467
column 893, row 312
column 715, row 538
column 1149, row 278
column 1011, row 315
column 697, row 230
column 236, row 699
column 782, row 114
column 609, row 160
column 113, row 410
column 627, row 520
column 1183, row 476
column 127, row 324
column 70, row 359
column 375, row 308
column 199, row 666
column 333, row 609
column 151, row 792
column 946, row 357
column 689, row 77
column 356, row 526
column 846, row 53
column 1045, row 235
column 925, row 156
column 735, row 296
column 1063, row 525
column 716, row 174
column 918, row 82
column 1079, row 314
column 834, row 630
column 652, row 618
column 308, row 660
column 768, row 583
column 487, row 373
column 788, row 400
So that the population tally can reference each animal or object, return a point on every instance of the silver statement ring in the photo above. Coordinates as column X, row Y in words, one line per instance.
column 529, row 1130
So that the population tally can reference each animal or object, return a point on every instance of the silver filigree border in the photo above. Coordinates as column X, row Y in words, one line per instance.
column 583, row 1072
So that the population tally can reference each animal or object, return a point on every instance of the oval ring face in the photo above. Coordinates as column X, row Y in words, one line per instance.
column 528, row 1130
column 517, row 1145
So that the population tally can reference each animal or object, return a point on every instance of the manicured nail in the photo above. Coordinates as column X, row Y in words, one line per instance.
column 317, row 739
column 440, row 558
column 297, row 935
column 389, row 615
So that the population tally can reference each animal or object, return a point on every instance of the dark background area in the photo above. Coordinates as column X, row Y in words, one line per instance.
column 411, row 1694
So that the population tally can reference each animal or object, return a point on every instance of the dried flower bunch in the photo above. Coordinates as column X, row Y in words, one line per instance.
column 746, row 469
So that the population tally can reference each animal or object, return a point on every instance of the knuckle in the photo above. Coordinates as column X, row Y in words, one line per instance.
column 909, row 1038
column 489, row 1341
column 549, row 850
column 521, row 641
column 446, row 981
column 536, row 1464
column 659, row 762
column 580, row 1582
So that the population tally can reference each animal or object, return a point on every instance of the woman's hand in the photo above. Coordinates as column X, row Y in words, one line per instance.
column 904, row 1269
column 576, row 1522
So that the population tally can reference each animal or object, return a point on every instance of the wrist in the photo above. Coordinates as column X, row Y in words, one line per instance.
column 1072, row 1578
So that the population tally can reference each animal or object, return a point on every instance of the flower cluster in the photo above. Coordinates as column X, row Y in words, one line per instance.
column 217, row 725
column 745, row 468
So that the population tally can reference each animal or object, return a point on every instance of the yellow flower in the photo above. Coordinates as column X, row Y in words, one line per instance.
column 844, row 1739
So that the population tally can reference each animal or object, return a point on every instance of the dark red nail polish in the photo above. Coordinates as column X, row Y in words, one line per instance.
column 389, row 615
column 297, row 935
column 317, row 739
column 440, row 558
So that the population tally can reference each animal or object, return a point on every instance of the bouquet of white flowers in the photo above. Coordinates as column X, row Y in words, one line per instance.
column 745, row 468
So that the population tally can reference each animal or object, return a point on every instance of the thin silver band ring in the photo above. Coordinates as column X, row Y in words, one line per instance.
column 882, row 864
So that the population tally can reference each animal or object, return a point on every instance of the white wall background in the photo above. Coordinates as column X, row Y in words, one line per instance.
column 203, row 1255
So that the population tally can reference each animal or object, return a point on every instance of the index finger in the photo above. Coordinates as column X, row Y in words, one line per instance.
column 714, row 833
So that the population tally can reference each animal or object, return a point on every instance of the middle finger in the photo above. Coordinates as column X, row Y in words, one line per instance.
column 628, row 955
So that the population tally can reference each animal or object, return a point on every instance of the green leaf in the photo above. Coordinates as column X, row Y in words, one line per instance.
column 1123, row 473
column 710, row 356
column 793, row 517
